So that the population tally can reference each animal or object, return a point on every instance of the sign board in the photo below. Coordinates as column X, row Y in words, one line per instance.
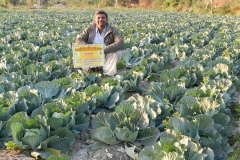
column 88, row 55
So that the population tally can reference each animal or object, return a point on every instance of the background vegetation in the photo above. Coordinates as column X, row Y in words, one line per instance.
column 230, row 7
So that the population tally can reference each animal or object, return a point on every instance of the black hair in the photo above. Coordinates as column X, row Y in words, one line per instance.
column 101, row 12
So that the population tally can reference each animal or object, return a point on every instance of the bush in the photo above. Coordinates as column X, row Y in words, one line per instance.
column 171, row 3
column 90, row 2
column 225, row 9
column 189, row 2
column 107, row 3
column 145, row 3
column 123, row 3
column 157, row 4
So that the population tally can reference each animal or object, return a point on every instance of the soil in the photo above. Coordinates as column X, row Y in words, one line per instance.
column 6, row 154
column 79, row 151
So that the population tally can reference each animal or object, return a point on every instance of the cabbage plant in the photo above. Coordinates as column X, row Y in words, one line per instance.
column 34, row 133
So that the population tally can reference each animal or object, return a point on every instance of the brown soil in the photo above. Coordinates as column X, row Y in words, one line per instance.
column 79, row 151
column 15, row 155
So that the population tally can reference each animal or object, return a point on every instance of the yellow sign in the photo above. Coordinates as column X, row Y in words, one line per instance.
column 88, row 55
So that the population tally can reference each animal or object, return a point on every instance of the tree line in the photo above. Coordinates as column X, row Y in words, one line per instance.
column 97, row 2
column 23, row 2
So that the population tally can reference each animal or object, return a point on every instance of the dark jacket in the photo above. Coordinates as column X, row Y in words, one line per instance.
column 112, row 39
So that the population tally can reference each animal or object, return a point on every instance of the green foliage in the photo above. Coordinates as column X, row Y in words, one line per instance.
column 89, row 2
column 157, row 4
column 107, row 3
column 235, row 140
column 172, row 3
column 5, row 2
column 123, row 3
column 174, row 146
column 11, row 145
column 225, row 9
column 189, row 2
column 131, row 122
column 121, row 65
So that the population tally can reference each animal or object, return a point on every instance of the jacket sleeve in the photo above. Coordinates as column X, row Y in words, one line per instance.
column 83, row 37
column 117, row 45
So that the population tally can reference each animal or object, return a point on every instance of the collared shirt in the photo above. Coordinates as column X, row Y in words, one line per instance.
column 99, row 38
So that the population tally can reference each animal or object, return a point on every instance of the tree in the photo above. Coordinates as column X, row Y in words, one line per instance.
column 44, row 2
column 14, row 2
column 30, row 2
column 123, row 3
column 5, row 2
column 145, row 3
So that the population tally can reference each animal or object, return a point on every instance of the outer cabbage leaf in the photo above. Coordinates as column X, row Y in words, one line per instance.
column 82, row 122
column 20, row 117
column 132, row 81
column 148, row 136
column 171, row 90
column 47, row 89
column 133, row 57
column 146, row 71
column 103, row 119
column 140, row 119
column 29, row 99
column 208, row 106
column 126, row 107
column 124, row 134
column 165, row 149
column 148, row 104
column 33, row 137
column 65, row 85
column 17, row 132
column 121, row 94
column 3, row 133
column 175, row 146
column 60, row 139
column 203, row 122
column 112, row 100
column 106, row 135
column 156, row 92
column 79, row 102
column 91, row 89
column 7, row 105
column 59, row 116
column 180, row 125
column 156, row 62
column 118, row 117
column 106, row 95
column 223, row 125
column 187, row 106
column 27, row 132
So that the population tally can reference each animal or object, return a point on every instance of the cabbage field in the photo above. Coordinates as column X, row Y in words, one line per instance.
column 191, row 62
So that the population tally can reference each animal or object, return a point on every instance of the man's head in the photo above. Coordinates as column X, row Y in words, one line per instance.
column 100, row 18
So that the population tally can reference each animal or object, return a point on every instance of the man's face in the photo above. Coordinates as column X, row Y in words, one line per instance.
column 100, row 20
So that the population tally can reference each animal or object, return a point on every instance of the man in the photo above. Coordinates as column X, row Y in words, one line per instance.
column 101, row 32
